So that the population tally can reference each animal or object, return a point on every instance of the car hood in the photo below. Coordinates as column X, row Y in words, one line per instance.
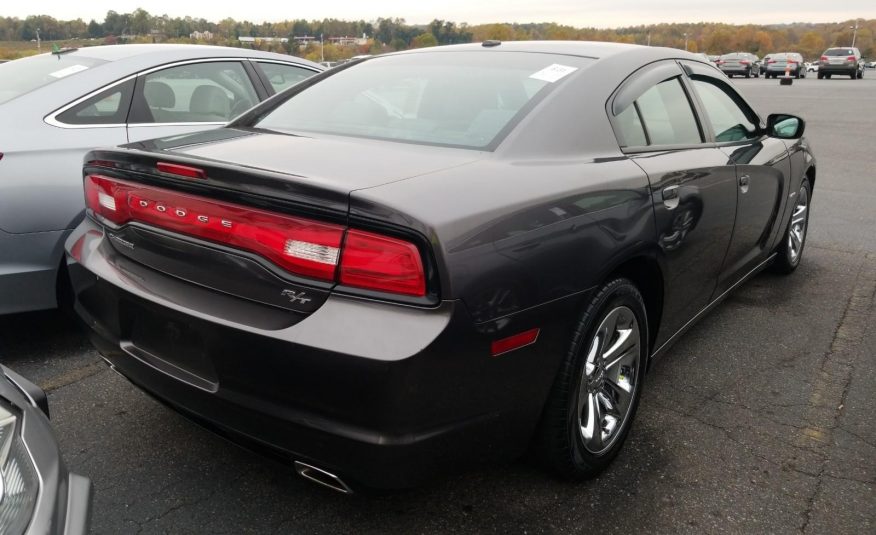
column 335, row 163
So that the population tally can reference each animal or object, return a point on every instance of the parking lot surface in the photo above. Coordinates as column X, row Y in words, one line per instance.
column 761, row 419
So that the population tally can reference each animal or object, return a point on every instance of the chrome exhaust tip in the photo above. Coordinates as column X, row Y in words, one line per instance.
column 321, row 477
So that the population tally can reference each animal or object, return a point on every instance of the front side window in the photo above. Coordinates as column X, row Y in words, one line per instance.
column 467, row 99
column 667, row 115
column 730, row 122
column 211, row 92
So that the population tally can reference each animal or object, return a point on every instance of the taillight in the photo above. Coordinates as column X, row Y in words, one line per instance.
column 744, row 62
column 850, row 58
column 378, row 262
column 771, row 61
column 301, row 246
column 719, row 62
column 823, row 58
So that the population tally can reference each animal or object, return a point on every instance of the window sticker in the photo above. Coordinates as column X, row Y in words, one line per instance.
column 72, row 69
column 554, row 72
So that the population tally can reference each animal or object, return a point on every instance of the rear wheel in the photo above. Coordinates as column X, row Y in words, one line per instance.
column 790, row 249
column 748, row 74
column 595, row 395
column 820, row 76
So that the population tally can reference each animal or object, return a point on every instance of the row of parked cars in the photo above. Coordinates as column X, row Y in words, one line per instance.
column 390, row 268
column 845, row 61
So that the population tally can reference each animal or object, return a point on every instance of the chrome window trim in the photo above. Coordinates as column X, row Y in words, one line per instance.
column 52, row 118
column 147, row 125
column 289, row 63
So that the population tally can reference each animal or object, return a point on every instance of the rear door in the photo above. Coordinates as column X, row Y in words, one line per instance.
column 762, row 168
column 693, row 186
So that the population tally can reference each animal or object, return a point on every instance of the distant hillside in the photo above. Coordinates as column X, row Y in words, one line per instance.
column 388, row 34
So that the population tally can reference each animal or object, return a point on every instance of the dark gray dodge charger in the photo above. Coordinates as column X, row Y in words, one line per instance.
column 438, row 257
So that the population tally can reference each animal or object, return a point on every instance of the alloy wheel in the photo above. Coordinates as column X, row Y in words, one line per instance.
column 608, row 382
column 797, row 228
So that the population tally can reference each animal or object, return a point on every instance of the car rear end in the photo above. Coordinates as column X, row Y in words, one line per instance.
column 252, row 302
column 736, row 64
column 840, row 60
column 778, row 64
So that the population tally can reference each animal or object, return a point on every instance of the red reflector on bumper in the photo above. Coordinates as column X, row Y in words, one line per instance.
column 514, row 342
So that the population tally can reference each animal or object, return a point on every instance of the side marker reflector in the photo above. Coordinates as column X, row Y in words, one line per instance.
column 516, row 341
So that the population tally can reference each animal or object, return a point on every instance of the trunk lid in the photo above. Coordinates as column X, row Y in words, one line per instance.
column 240, row 173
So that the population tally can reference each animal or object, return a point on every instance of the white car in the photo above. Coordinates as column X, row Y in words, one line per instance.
column 811, row 67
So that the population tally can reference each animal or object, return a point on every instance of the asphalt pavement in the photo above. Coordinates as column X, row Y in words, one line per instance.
column 761, row 419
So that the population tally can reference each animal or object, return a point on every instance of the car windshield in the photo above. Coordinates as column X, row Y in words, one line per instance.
column 24, row 75
column 464, row 99
column 839, row 52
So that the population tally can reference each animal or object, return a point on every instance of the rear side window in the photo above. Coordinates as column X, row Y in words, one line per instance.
column 107, row 107
column 667, row 115
column 211, row 92
column 282, row 76
column 24, row 75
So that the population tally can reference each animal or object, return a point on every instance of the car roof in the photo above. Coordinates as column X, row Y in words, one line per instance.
column 589, row 49
column 168, row 52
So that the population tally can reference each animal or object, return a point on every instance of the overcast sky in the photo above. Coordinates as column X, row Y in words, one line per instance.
column 580, row 13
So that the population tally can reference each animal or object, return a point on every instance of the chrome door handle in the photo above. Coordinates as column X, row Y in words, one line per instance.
column 670, row 197
column 744, row 182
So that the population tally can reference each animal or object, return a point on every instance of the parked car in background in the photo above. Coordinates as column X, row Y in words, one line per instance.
column 811, row 66
column 55, row 107
column 513, row 232
column 842, row 60
column 739, row 63
column 762, row 65
column 870, row 64
column 37, row 492
column 779, row 63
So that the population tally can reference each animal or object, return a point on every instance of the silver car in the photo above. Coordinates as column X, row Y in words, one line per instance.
column 55, row 107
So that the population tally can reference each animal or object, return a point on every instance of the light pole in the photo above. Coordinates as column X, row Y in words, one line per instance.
column 685, row 41
column 39, row 48
column 855, row 33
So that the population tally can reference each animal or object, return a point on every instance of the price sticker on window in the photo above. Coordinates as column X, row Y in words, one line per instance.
column 554, row 72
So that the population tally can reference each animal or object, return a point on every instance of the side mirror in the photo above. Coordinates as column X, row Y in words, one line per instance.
column 784, row 126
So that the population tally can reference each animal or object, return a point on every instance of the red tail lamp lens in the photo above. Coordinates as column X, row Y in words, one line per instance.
column 376, row 262
column 301, row 246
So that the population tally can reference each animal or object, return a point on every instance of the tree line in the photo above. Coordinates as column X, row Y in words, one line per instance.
column 388, row 34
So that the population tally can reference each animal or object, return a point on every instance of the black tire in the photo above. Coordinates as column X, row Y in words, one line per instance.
column 820, row 76
column 861, row 74
column 748, row 74
column 786, row 260
column 560, row 443
column 827, row 76
column 854, row 75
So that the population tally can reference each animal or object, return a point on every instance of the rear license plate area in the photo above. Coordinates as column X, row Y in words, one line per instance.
column 170, row 344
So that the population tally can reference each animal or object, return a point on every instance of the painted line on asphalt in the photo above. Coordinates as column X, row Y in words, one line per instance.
column 73, row 376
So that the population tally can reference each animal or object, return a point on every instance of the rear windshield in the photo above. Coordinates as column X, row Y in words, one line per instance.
column 462, row 99
column 24, row 75
column 839, row 52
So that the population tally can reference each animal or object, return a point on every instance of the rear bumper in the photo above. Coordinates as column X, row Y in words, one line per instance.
column 383, row 395
column 64, row 503
column 838, row 69
column 738, row 70
column 29, row 270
